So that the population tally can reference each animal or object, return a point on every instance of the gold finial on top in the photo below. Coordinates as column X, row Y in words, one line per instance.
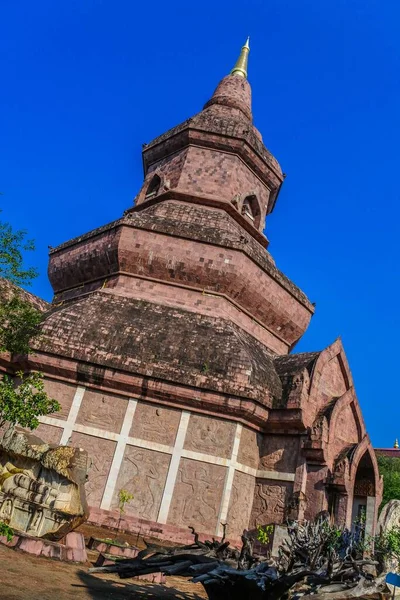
column 240, row 67
column 396, row 443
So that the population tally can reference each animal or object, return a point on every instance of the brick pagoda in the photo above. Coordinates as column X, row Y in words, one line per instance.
column 169, row 346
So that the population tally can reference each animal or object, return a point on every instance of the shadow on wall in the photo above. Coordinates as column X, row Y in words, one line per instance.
column 99, row 587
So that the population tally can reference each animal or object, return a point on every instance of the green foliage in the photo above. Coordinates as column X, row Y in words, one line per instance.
column 264, row 533
column 387, row 545
column 19, row 320
column 12, row 246
column 19, row 323
column 123, row 498
column 6, row 531
column 389, row 467
column 24, row 403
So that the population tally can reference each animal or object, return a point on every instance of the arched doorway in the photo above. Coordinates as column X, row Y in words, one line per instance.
column 364, row 494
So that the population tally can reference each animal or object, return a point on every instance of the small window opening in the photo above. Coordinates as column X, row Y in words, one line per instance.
column 153, row 187
column 247, row 209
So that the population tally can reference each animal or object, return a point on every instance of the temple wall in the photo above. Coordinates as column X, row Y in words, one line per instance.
column 183, row 468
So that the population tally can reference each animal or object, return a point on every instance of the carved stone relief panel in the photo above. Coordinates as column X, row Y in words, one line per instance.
column 101, row 453
column 102, row 411
column 62, row 392
column 197, row 495
column 249, row 452
column 143, row 473
column 50, row 434
column 155, row 423
column 210, row 436
column 240, row 504
column 279, row 453
column 270, row 502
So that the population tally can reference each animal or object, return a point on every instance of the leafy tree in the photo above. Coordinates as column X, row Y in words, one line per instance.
column 389, row 467
column 12, row 246
column 24, row 403
column 19, row 320
column 24, row 399
column 19, row 323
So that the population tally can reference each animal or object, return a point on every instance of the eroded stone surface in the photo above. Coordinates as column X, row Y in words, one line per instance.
column 41, row 487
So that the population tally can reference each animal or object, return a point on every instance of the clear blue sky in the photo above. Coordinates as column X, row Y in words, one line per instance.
column 85, row 82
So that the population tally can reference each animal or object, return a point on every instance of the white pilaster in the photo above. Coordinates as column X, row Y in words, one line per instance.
column 73, row 413
column 370, row 515
column 118, row 455
column 226, row 494
column 173, row 467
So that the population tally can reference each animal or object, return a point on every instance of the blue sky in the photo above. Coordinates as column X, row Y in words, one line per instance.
column 85, row 82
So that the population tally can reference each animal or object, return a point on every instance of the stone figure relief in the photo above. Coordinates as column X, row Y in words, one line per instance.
column 210, row 436
column 143, row 473
column 279, row 453
column 102, row 411
column 155, row 423
column 197, row 494
column 270, row 501
column 101, row 453
column 240, row 504
column 320, row 429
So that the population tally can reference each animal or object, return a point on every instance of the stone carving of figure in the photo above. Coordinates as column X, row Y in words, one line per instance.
column 199, row 503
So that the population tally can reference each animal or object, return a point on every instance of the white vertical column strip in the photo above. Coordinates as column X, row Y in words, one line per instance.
column 226, row 494
column 118, row 455
column 370, row 515
column 73, row 413
column 173, row 467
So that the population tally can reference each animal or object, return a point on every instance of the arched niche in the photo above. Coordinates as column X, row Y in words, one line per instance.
column 153, row 187
column 251, row 210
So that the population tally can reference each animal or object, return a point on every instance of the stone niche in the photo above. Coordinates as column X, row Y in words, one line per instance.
column 41, row 486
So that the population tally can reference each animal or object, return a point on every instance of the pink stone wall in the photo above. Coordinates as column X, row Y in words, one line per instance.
column 101, row 453
column 209, row 172
column 332, row 383
column 346, row 431
column 270, row 502
column 62, row 392
column 210, row 436
column 279, row 453
column 52, row 435
column 208, row 267
column 197, row 495
column 102, row 411
column 240, row 504
column 249, row 448
column 143, row 473
column 315, row 491
column 196, row 301
column 155, row 423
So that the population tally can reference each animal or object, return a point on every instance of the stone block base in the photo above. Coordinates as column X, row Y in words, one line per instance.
column 73, row 549
column 144, row 528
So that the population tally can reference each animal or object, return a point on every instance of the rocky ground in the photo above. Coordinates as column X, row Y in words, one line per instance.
column 25, row 577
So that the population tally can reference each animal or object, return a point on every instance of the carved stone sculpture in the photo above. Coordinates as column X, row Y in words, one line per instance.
column 41, row 487
column 389, row 517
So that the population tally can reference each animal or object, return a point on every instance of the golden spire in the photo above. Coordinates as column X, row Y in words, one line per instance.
column 396, row 443
column 240, row 67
